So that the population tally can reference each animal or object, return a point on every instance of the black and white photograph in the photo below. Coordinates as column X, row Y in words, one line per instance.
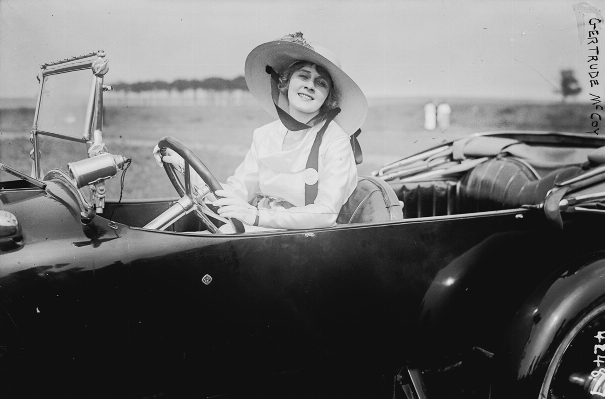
column 360, row 199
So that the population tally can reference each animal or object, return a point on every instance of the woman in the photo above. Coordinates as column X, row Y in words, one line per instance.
column 300, row 169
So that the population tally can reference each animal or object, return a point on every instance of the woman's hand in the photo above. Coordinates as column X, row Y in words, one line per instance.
column 170, row 157
column 232, row 206
column 175, row 159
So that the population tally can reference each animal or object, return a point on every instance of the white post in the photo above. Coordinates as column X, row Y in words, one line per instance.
column 430, row 116
column 443, row 115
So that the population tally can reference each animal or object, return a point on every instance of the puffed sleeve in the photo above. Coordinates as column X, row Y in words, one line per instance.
column 337, row 180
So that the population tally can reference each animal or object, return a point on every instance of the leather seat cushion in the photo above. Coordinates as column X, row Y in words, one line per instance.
column 505, row 183
column 373, row 201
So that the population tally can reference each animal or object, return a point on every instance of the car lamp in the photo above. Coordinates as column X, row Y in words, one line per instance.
column 92, row 170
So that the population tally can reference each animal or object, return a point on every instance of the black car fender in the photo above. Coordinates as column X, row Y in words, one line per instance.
column 542, row 323
column 475, row 296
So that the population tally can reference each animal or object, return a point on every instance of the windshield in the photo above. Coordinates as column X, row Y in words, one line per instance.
column 64, row 102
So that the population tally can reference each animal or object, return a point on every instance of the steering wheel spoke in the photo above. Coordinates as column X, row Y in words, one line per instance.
column 179, row 209
column 188, row 184
column 188, row 189
column 199, row 211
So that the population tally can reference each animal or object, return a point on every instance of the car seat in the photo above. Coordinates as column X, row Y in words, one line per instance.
column 373, row 201
column 505, row 183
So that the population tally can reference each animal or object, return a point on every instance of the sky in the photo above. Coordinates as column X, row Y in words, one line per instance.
column 391, row 48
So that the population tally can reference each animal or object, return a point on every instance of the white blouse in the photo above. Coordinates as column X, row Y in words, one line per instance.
column 269, row 171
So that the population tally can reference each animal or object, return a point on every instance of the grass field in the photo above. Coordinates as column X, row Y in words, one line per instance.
column 220, row 136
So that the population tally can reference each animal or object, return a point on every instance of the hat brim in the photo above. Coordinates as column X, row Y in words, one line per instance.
column 281, row 54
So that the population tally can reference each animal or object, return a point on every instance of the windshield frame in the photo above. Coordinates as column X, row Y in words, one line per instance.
column 94, row 114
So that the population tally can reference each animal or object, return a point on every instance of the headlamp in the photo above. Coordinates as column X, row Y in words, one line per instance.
column 92, row 170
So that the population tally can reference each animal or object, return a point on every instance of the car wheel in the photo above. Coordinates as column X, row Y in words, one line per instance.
column 577, row 368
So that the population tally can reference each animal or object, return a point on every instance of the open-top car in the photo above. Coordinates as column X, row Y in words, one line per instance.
column 474, row 269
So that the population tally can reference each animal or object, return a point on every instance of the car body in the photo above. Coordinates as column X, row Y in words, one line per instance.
column 491, row 285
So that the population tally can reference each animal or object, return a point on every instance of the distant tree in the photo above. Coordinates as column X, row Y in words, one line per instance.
column 239, row 83
column 121, row 86
column 139, row 87
column 569, row 84
column 217, row 84
column 159, row 85
column 213, row 85
column 180, row 85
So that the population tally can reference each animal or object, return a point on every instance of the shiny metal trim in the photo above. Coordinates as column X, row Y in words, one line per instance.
column 588, row 210
column 412, row 159
column 209, row 212
column 22, row 175
column 201, row 214
column 462, row 167
column 71, row 64
column 61, row 136
column 598, row 170
column 591, row 197
column 70, row 59
column 188, row 184
column 90, row 110
column 86, row 208
column 180, row 208
column 66, row 69
column 581, row 198
column 36, row 172
column 418, row 383
column 9, row 226
column 410, row 171
column 98, row 108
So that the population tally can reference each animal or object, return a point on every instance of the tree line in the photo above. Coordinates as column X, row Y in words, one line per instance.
column 181, row 85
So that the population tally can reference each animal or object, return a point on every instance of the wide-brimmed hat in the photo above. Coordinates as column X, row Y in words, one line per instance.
column 280, row 54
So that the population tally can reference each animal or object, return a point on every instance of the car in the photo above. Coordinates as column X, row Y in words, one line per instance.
column 472, row 269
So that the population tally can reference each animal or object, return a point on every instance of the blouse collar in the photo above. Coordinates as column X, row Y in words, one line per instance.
column 270, row 151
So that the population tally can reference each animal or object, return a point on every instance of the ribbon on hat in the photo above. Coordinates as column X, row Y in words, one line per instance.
column 356, row 147
column 289, row 122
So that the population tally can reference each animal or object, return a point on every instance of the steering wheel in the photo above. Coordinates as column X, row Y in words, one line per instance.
column 191, row 199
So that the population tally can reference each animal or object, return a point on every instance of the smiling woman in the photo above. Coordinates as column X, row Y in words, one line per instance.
column 301, row 168
column 309, row 89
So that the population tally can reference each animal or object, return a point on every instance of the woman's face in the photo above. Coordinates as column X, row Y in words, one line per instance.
column 307, row 91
